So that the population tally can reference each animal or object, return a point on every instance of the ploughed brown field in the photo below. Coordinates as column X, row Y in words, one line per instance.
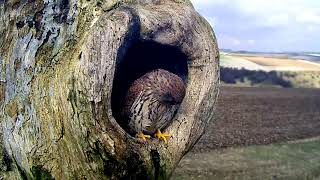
column 258, row 133
column 254, row 116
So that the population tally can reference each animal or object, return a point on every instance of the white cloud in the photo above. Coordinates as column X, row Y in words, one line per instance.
column 313, row 28
column 236, row 42
column 310, row 28
column 225, row 39
column 308, row 17
column 240, row 24
column 281, row 19
column 271, row 12
column 251, row 42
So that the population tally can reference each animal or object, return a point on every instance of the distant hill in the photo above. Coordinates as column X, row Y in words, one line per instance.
column 281, row 70
column 310, row 56
column 266, row 52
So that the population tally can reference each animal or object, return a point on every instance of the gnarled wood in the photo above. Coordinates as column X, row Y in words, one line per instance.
column 58, row 64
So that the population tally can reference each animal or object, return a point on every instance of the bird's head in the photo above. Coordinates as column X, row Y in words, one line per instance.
column 174, row 92
column 167, row 98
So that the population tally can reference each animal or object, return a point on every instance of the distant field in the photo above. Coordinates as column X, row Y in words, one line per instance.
column 282, row 64
column 250, row 78
column 258, row 71
column 268, row 63
column 259, row 116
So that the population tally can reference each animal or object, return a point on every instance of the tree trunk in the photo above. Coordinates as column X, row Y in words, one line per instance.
column 64, row 69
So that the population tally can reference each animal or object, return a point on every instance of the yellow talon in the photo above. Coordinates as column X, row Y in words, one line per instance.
column 143, row 136
column 162, row 136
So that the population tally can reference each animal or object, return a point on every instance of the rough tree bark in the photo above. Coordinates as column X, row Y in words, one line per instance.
column 58, row 61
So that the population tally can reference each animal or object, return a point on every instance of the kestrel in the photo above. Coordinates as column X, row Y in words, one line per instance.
column 151, row 102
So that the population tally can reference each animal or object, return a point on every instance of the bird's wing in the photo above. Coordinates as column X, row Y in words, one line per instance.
column 135, row 103
column 139, row 120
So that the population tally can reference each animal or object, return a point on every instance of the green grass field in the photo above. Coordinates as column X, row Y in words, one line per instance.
column 292, row 160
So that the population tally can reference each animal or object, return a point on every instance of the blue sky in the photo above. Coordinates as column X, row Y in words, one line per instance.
column 264, row 25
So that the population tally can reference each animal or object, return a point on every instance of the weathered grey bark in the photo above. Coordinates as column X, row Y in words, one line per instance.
column 57, row 66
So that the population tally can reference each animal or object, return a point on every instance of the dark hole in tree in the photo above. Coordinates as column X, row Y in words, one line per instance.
column 140, row 58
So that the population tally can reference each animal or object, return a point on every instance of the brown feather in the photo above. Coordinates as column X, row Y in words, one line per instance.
column 152, row 100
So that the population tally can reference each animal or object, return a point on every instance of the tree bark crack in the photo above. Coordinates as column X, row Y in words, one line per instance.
column 156, row 160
